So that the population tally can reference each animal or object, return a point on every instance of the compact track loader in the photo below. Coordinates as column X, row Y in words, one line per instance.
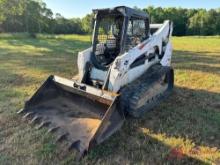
column 126, row 71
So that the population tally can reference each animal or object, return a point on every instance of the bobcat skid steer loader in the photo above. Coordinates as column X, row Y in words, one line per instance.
column 126, row 71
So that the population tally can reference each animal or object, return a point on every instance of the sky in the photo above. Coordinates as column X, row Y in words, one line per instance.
column 79, row 8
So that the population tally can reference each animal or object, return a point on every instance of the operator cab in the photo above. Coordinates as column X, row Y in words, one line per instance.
column 116, row 31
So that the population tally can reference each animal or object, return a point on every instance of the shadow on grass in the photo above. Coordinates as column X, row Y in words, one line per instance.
column 54, row 56
column 11, row 79
column 200, row 61
column 192, row 114
column 55, row 46
column 186, row 121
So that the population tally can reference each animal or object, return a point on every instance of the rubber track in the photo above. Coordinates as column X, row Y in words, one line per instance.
column 133, row 92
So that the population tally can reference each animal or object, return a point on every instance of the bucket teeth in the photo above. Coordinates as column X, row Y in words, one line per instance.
column 20, row 111
column 54, row 129
column 36, row 119
column 28, row 115
column 75, row 145
column 61, row 137
column 44, row 124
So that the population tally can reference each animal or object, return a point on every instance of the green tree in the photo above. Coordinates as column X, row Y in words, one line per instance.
column 87, row 23
column 204, row 23
column 37, row 16
column 33, row 16
column 11, row 8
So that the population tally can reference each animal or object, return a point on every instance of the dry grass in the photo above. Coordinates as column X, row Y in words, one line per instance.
column 183, row 130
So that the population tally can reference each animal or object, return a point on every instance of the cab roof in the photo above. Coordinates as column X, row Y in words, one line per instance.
column 122, row 10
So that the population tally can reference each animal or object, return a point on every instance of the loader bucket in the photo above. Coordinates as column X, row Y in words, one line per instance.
column 82, row 115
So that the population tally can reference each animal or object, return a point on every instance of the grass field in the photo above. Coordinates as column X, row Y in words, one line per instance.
column 183, row 130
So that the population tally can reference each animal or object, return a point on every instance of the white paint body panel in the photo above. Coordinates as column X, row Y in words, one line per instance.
column 83, row 58
column 166, row 60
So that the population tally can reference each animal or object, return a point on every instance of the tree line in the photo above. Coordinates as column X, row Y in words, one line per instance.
column 188, row 21
column 33, row 16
